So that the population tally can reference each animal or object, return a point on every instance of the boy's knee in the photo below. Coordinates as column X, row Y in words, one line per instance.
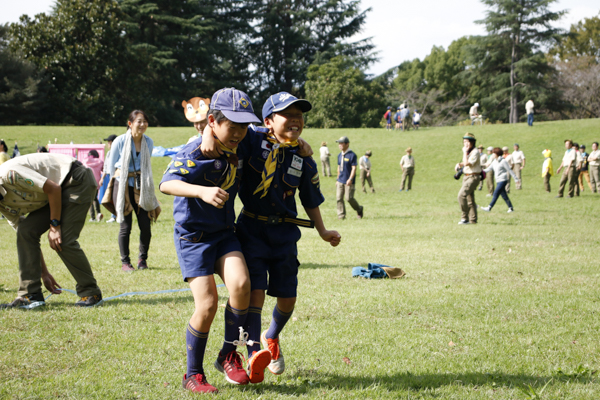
column 240, row 289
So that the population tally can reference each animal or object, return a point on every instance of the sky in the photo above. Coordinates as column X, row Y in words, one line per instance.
column 400, row 30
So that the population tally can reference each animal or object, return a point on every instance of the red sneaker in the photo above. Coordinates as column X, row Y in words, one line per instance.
column 257, row 364
column 198, row 384
column 231, row 366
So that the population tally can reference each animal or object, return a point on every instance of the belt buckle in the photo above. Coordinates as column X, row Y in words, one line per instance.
column 273, row 220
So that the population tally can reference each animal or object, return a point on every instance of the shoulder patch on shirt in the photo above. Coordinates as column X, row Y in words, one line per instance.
column 294, row 172
column 184, row 171
column 297, row 162
column 172, row 171
column 265, row 145
column 190, row 164
column 315, row 179
column 178, row 164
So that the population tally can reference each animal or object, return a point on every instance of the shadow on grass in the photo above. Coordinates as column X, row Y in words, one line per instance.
column 309, row 381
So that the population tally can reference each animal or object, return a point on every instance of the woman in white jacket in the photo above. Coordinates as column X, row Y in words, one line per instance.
column 501, row 171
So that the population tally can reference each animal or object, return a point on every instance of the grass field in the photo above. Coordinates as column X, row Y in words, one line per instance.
column 505, row 309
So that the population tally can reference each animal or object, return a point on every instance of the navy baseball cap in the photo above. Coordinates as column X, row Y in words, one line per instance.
column 282, row 100
column 235, row 105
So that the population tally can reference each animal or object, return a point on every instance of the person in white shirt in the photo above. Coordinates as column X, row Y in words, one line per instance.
column 518, row 163
column 501, row 171
column 407, row 163
column 594, row 168
column 529, row 110
column 569, row 162
column 416, row 120
column 326, row 168
column 365, row 171
column 508, row 157
column 474, row 114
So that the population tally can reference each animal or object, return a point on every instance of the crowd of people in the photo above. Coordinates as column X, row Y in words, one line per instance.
column 402, row 118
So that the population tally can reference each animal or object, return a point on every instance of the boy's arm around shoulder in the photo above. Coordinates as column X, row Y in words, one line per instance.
column 333, row 237
column 212, row 195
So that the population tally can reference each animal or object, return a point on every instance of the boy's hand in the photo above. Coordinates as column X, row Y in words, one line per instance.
column 209, row 147
column 304, row 149
column 214, row 196
column 333, row 237
column 50, row 284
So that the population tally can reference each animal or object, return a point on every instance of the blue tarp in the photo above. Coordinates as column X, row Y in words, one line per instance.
column 160, row 151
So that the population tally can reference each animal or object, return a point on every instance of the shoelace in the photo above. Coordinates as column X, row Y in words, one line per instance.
column 235, row 358
column 243, row 340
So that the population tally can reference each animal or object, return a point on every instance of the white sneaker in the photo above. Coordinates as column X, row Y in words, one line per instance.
column 510, row 210
column 277, row 365
column 463, row 222
column 92, row 220
column 110, row 220
column 486, row 208
column 99, row 217
column 488, row 195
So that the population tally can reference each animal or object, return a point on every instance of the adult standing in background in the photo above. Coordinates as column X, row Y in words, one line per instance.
column 489, row 178
column 529, row 110
column 405, row 114
column 52, row 193
column 364, row 165
column 507, row 156
column 472, row 175
column 578, row 165
column 346, row 177
column 518, row 163
column 483, row 160
column 584, row 168
column 326, row 167
column 569, row 162
column 416, row 120
column 407, row 163
column 133, row 188
column 388, row 118
column 594, row 168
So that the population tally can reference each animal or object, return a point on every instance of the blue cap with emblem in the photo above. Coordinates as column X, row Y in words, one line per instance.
column 235, row 105
column 282, row 100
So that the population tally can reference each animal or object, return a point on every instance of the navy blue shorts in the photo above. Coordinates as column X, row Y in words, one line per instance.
column 198, row 251
column 271, row 255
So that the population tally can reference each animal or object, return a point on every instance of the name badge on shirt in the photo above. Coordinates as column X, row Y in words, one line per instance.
column 240, row 164
column 346, row 159
column 297, row 162
column 294, row 172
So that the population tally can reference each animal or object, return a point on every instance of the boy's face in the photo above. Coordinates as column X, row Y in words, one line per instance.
column 343, row 146
column 200, row 125
column 287, row 124
column 229, row 133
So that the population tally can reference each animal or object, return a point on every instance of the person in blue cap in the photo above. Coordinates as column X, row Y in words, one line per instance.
column 274, row 171
column 206, row 243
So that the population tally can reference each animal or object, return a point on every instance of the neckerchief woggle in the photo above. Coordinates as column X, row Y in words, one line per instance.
column 271, row 164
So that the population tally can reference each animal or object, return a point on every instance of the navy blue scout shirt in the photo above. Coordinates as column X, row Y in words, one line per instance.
column 193, row 214
column 293, row 173
column 349, row 160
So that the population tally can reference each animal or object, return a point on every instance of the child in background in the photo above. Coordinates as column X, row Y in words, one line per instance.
column 206, row 243
column 94, row 163
column 547, row 170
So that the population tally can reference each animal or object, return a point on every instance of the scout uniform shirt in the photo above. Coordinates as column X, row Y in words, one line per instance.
column 193, row 214
column 293, row 173
column 22, row 181
column 346, row 161
column 569, row 158
column 517, row 157
column 474, row 160
column 407, row 161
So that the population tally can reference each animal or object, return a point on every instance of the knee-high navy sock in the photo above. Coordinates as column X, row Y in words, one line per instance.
column 234, row 318
column 278, row 322
column 252, row 326
column 196, row 345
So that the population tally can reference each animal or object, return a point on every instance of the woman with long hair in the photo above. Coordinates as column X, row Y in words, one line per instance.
column 133, row 188
column 501, row 171
column 471, row 168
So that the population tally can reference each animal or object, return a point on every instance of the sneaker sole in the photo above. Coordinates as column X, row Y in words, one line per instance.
column 220, row 368
column 265, row 344
column 258, row 363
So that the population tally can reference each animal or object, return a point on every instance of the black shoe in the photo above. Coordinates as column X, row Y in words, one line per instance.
column 89, row 301
column 360, row 212
column 24, row 301
column 142, row 264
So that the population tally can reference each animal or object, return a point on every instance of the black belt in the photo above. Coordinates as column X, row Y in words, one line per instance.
column 276, row 220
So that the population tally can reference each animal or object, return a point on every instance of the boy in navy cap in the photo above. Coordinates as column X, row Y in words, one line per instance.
column 268, row 225
column 206, row 243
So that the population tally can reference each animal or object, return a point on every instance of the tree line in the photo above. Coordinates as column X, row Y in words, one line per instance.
column 91, row 62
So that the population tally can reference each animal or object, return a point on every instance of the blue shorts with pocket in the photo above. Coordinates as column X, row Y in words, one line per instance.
column 198, row 251
column 271, row 255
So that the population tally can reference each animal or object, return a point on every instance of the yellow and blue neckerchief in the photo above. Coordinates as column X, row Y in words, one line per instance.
column 232, row 170
column 271, row 164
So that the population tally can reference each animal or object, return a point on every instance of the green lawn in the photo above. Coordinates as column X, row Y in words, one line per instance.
column 505, row 309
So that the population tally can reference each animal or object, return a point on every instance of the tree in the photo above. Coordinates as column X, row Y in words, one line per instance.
column 342, row 96
column 22, row 89
column 519, row 27
column 583, row 40
column 290, row 35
